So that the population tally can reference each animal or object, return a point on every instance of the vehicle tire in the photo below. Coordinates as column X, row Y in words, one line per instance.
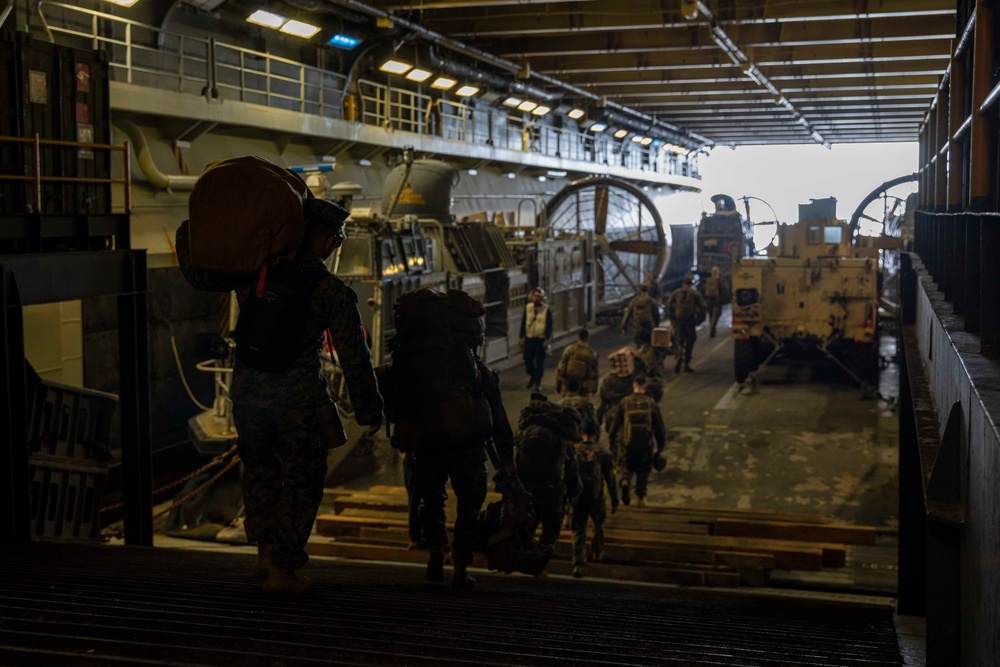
column 745, row 359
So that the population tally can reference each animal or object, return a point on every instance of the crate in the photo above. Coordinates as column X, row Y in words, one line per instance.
column 74, row 423
column 661, row 337
column 65, row 497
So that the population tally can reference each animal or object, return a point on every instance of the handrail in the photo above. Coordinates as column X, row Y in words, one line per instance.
column 37, row 179
column 207, row 67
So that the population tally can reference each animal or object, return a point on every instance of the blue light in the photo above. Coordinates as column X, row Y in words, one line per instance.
column 344, row 41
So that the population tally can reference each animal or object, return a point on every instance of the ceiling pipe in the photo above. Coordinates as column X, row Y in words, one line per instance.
column 156, row 177
column 735, row 53
column 495, row 81
column 691, row 138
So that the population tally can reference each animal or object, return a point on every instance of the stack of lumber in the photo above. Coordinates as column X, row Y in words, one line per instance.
column 657, row 544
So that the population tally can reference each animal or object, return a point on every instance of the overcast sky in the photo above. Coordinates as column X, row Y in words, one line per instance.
column 786, row 176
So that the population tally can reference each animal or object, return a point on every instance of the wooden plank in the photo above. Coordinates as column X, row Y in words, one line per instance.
column 710, row 513
column 782, row 530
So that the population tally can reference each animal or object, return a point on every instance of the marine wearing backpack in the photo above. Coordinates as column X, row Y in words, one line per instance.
column 579, row 363
column 446, row 405
column 433, row 356
column 594, row 463
column 545, row 462
column 686, row 309
column 636, row 431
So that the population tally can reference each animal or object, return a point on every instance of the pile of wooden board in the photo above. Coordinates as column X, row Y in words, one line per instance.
column 657, row 544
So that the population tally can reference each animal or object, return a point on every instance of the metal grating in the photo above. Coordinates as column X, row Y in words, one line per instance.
column 76, row 605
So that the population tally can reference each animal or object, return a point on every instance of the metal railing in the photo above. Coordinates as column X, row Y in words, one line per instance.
column 146, row 55
column 36, row 177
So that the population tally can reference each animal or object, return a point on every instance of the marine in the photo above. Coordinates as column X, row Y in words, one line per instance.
column 686, row 309
column 637, row 438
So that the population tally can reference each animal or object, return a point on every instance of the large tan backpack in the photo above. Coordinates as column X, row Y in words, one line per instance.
column 245, row 213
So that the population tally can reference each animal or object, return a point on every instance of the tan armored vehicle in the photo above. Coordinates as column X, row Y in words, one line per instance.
column 814, row 290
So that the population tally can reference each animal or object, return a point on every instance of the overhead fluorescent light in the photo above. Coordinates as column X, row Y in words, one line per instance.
column 123, row 3
column 300, row 29
column 598, row 127
column 526, row 105
column 556, row 173
column 418, row 75
column 512, row 101
column 621, row 134
column 540, row 110
column 266, row 19
column 443, row 83
column 394, row 67
column 472, row 172
column 637, row 138
column 511, row 175
column 646, row 141
column 466, row 91
column 364, row 162
column 542, row 179
column 576, row 114
column 345, row 42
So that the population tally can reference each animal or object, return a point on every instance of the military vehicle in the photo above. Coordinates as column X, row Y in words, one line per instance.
column 815, row 289
column 724, row 236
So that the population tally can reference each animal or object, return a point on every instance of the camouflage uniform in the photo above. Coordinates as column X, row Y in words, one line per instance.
column 613, row 389
column 465, row 466
column 588, row 384
column 650, row 364
column 649, row 317
column 590, row 505
column 637, row 458
column 716, row 293
column 685, row 307
column 583, row 406
column 547, row 480
column 284, row 463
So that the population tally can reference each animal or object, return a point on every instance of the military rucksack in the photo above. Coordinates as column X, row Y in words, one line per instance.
column 579, row 363
column 637, row 427
column 270, row 330
column 588, row 465
column 712, row 287
column 683, row 304
column 436, row 386
column 540, row 454
column 642, row 310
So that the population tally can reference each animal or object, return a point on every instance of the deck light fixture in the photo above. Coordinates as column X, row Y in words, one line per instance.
column 646, row 141
column 418, row 75
column 443, row 83
column 598, row 127
column 466, row 91
column 300, row 29
column 345, row 42
column 526, row 105
column 540, row 110
column 266, row 19
column 123, row 3
column 637, row 138
column 395, row 67
column 576, row 114
column 621, row 134
column 512, row 102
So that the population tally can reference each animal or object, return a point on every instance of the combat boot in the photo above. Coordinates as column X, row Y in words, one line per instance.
column 677, row 366
column 283, row 580
column 263, row 565
column 577, row 571
column 435, row 566
column 626, row 496
column 460, row 577
column 688, row 369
